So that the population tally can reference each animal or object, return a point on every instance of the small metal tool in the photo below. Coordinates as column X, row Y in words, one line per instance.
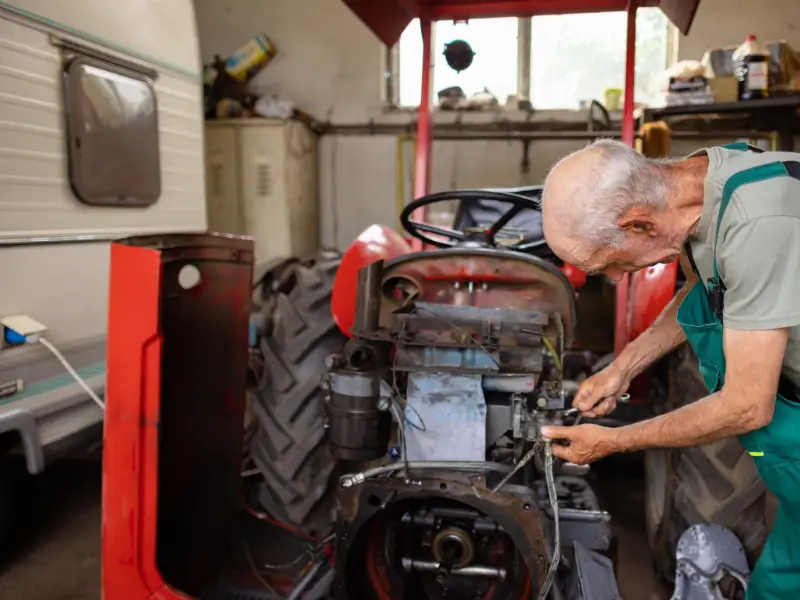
column 574, row 411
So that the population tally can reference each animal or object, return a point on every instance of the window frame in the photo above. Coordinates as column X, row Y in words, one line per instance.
column 391, row 64
column 75, row 58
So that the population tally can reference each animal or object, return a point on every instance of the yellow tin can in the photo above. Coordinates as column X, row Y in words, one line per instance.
column 248, row 60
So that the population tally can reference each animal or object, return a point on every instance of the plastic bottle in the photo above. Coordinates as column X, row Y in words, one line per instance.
column 751, row 62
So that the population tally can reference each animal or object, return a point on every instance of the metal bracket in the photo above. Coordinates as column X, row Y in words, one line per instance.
column 705, row 554
column 23, row 422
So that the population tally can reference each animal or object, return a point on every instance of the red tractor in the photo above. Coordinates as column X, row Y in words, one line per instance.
column 493, row 264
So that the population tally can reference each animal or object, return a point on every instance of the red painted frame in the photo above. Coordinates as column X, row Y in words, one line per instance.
column 130, row 473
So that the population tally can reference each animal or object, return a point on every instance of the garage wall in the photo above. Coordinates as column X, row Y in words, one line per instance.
column 331, row 65
column 728, row 22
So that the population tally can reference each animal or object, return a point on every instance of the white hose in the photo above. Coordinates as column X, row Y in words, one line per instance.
column 72, row 372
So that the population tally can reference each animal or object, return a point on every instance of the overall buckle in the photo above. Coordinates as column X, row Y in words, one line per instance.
column 716, row 295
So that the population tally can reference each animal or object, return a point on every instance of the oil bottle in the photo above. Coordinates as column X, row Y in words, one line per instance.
column 751, row 62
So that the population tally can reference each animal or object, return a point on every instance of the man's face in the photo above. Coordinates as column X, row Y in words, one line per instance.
column 614, row 263
column 641, row 248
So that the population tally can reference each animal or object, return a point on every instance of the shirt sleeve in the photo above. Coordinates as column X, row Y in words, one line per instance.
column 759, row 263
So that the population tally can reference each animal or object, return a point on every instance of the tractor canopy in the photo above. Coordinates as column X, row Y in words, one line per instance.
column 387, row 19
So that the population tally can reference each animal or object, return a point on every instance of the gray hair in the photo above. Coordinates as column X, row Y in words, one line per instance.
column 618, row 179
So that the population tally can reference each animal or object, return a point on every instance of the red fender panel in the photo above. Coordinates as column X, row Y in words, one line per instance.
column 379, row 242
column 651, row 290
column 375, row 243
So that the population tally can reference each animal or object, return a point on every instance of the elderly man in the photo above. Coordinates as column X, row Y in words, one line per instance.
column 731, row 215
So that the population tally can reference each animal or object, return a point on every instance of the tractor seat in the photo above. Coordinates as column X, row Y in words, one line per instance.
column 478, row 213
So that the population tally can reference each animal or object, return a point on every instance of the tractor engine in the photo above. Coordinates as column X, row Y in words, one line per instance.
column 434, row 411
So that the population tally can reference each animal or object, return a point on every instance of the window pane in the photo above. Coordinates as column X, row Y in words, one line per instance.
column 578, row 57
column 113, row 136
column 494, row 66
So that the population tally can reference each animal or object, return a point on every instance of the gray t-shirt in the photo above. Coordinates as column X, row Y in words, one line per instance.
column 758, row 253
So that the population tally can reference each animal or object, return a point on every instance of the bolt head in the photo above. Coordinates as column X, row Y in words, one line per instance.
column 330, row 361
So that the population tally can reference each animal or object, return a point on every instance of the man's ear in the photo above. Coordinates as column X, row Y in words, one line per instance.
column 638, row 219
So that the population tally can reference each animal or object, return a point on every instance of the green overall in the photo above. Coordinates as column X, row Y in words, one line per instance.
column 776, row 447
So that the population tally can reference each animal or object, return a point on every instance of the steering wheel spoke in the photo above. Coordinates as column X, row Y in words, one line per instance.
column 504, row 220
column 450, row 234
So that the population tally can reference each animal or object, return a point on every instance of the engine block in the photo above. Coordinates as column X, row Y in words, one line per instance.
column 440, row 406
column 474, row 376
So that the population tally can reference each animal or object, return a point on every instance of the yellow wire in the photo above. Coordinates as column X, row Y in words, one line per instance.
column 552, row 349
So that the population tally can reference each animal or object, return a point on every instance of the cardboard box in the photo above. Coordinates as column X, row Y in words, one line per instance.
column 725, row 89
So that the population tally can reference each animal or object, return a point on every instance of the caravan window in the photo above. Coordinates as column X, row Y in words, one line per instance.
column 112, row 128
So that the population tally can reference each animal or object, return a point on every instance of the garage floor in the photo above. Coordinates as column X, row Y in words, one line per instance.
column 58, row 557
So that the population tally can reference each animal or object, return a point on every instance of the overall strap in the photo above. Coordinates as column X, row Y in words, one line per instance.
column 735, row 181
column 687, row 247
column 743, row 146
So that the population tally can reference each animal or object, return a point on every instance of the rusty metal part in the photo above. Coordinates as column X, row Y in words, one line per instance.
column 409, row 564
column 454, row 538
column 368, row 292
column 514, row 280
column 514, row 509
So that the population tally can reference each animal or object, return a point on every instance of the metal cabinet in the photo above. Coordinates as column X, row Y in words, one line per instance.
column 261, row 179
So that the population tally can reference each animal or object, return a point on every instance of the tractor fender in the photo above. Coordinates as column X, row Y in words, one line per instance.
column 651, row 290
column 376, row 242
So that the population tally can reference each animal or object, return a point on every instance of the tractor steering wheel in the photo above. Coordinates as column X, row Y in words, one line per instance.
column 485, row 236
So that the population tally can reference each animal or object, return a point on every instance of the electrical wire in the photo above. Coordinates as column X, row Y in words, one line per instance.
column 553, row 498
column 525, row 459
column 400, row 425
column 288, row 565
column 276, row 523
column 552, row 349
column 73, row 372
column 254, row 569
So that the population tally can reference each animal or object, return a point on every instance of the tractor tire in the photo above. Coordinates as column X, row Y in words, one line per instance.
column 289, row 444
column 712, row 483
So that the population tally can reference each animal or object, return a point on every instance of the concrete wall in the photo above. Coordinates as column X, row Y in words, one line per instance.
column 331, row 65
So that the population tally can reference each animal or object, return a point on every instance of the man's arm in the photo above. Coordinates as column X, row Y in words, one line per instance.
column 745, row 403
column 663, row 336
column 657, row 341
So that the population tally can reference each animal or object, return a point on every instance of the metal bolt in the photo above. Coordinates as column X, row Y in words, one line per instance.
column 347, row 483
column 541, row 402
column 383, row 403
column 330, row 361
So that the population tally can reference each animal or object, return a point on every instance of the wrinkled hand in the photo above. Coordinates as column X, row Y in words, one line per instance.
column 602, row 390
column 587, row 443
